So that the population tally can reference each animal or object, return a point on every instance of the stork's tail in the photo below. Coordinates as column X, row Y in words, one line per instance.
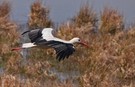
column 24, row 46
column 25, row 32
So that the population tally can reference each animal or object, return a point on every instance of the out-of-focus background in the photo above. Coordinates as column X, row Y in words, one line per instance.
column 107, row 25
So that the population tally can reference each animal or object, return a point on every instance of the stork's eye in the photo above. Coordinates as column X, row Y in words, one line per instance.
column 79, row 40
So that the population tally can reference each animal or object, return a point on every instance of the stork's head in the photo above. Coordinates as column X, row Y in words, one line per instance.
column 78, row 40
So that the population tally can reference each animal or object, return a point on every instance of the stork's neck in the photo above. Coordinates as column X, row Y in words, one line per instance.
column 72, row 41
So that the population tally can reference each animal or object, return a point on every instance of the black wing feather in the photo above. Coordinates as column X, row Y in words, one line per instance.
column 63, row 50
column 61, row 56
column 59, row 53
column 71, row 50
column 41, row 42
column 35, row 35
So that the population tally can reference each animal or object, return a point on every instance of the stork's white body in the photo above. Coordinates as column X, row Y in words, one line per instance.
column 28, row 45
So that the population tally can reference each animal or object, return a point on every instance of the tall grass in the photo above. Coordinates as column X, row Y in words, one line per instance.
column 39, row 16
column 8, row 37
column 85, row 16
column 111, row 21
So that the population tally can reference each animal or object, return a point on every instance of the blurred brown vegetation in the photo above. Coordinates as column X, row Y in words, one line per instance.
column 109, row 62
column 8, row 38
column 85, row 16
column 39, row 16
column 111, row 21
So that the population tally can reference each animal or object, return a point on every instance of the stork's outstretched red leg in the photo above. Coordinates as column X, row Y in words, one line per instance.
column 16, row 49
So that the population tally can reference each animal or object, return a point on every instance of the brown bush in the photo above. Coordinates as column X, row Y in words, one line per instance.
column 8, row 38
column 85, row 16
column 111, row 21
column 39, row 16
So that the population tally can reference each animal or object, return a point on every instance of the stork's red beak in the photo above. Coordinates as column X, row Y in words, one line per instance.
column 84, row 43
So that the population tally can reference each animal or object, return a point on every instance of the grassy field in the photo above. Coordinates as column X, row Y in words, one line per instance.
column 109, row 62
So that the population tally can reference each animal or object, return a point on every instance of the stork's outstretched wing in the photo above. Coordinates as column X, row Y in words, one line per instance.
column 37, row 34
column 63, row 50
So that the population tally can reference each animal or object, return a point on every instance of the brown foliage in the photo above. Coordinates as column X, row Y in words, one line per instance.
column 8, row 38
column 85, row 16
column 111, row 21
column 39, row 16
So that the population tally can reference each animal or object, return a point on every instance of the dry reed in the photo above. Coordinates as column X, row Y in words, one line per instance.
column 39, row 16
column 111, row 21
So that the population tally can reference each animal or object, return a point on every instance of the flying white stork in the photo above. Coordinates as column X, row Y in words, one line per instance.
column 44, row 37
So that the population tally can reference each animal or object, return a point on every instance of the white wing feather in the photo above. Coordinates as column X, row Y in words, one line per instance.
column 47, row 35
